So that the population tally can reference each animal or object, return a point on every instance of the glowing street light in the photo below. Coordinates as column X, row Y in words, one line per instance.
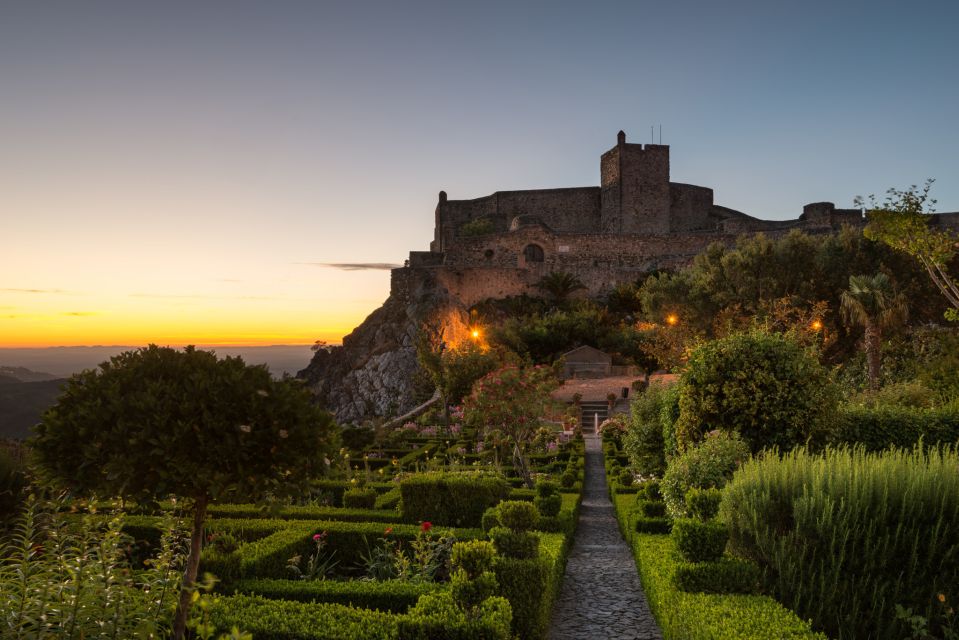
column 672, row 319
column 475, row 333
column 816, row 325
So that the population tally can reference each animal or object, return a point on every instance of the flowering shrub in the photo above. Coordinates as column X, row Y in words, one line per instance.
column 319, row 565
column 426, row 560
column 512, row 399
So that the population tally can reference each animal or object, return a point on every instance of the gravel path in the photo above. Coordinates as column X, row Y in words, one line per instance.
column 601, row 595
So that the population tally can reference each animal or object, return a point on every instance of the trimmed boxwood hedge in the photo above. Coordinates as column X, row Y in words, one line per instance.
column 531, row 586
column 881, row 427
column 450, row 499
column 702, row 616
column 252, row 511
column 726, row 575
column 390, row 595
column 287, row 620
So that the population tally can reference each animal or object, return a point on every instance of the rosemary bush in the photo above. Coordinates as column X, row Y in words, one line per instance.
column 845, row 536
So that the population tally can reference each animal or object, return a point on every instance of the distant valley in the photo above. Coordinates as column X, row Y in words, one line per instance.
column 30, row 379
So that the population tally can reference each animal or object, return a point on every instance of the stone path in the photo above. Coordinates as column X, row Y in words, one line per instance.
column 601, row 595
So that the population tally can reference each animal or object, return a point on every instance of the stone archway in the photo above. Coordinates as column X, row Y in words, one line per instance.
column 533, row 253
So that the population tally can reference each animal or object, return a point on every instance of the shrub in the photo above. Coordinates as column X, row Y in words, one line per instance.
column 518, row 515
column 453, row 499
column 880, row 427
column 288, row 620
column 359, row 498
column 726, row 575
column 766, row 387
column 911, row 394
column 477, row 227
column 644, row 441
column 703, row 503
column 845, row 536
column 704, row 616
column 653, row 525
column 491, row 519
column 549, row 506
column 651, row 509
column 700, row 541
column 472, row 580
column 387, row 595
column 626, row 477
column 650, row 490
column 568, row 479
column 474, row 557
column 531, row 586
column 546, row 488
column 708, row 464
column 515, row 544
column 388, row 500
column 12, row 484
column 437, row 617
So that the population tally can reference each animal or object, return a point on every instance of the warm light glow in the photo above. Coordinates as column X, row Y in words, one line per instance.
column 672, row 319
column 816, row 325
column 475, row 333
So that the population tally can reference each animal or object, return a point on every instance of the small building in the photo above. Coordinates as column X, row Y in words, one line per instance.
column 587, row 362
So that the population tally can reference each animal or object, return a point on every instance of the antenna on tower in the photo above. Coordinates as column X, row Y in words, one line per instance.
column 652, row 140
column 660, row 134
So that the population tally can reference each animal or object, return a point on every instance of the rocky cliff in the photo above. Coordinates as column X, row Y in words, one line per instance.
column 372, row 373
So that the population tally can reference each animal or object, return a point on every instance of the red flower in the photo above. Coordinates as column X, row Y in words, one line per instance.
column 388, row 531
column 426, row 526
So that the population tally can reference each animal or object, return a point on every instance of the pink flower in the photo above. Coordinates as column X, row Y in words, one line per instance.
column 426, row 526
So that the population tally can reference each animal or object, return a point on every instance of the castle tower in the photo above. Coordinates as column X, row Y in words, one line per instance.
column 634, row 183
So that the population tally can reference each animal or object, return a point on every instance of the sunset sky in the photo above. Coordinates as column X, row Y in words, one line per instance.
column 186, row 172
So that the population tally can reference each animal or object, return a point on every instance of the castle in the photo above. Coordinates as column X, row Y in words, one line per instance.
column 635, row 221
column 501, row 245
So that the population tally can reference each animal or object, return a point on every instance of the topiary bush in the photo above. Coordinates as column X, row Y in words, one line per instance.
column 703, row 503
column 472, row 579
column 700, row 541
column 764, row 386
column 651, row 509
column 626, row 478
column 546, row 488
column 520, row 545
column 706, row 465
column 359, row 498
column 548, row 506
column 518, row 515
column 491, row 519
column 845, row 536
column 453, row 499
column 726, row 575
column 644, row 441
column 650, row 490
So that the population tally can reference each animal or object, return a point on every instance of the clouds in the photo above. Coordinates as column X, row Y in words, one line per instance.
column 355, row 266
column 48, row 291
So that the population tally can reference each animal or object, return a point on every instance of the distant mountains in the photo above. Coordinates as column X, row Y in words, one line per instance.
column 25, row 392
column 24, row 396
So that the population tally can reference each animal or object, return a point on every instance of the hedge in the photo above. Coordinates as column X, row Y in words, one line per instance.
column 287, row 620
column 389, row 595
column 882, row 427
column 727, row 575
column 252, row 511
column 450, row 499
column 701, row 616
column 436, row 617
column 531, row 586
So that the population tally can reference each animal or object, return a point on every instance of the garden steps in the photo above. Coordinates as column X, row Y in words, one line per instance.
column 588, row 410
column 601, row 596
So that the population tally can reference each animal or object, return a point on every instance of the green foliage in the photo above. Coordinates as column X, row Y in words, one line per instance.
column 559, row 285
column 880, row 427
column 387, row 595
column 389, row 500
column 871, row 303
column 13, row 483
column 359, row 498
column 700, row 541
column 477, row 227
column 491, row 519
column 846, row 535
column 515, row 544
column 157, row 422
column 69, row 577
column 568, row 479
column 438, row 617
column 650, row 490
column 474, row 557
column 531, row 586
column 901, row 222
column 765, row 387
column 625, row 478
column 705, row 465
column 546, row 488
column 518, row 515
column 289, row 620
column 548, row 506
column 472, row 580
column 650, row 508
column 703, row 503
column 650, row 524
column 726, row 575
column 453, row 499
column 706, row 616
column 644, row 441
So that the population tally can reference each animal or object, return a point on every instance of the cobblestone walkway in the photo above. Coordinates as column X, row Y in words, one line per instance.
column 601, row 595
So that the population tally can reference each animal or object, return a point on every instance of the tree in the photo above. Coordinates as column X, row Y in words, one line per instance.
column 513, row 399
column 559, row 285
column 902, row 222
column 871, row 303
column 157, row 422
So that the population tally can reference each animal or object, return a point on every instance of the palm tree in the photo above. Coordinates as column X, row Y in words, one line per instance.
column 559, row 285
column 871, row 303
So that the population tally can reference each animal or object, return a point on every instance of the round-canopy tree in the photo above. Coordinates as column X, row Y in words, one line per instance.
column 157, row 422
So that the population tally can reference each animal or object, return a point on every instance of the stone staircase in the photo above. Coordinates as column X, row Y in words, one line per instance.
column 590, row 408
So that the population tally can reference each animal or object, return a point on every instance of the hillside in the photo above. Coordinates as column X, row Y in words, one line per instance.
column 22, row 403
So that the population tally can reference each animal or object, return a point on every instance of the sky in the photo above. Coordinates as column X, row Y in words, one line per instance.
column 183, row 172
